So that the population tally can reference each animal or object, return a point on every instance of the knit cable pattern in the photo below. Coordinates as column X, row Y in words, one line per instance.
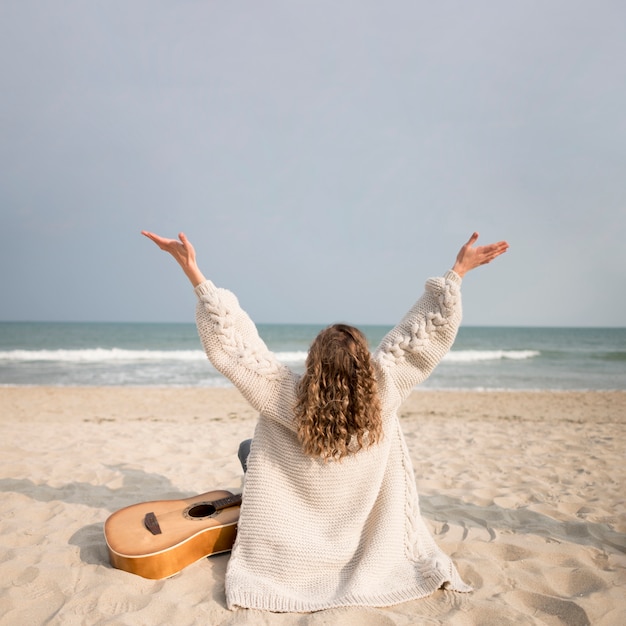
column 430, row 315
column 228, row 326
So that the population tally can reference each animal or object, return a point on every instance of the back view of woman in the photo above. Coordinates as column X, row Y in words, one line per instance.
column 330, row 514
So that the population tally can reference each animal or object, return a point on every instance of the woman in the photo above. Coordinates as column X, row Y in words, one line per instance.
column 330, row 514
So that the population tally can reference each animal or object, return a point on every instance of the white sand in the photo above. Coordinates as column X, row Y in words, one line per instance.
column 524, row 490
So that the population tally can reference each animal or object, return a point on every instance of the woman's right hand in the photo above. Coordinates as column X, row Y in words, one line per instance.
column 183, row 253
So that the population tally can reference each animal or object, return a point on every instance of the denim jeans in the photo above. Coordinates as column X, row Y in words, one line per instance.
column 244, row 451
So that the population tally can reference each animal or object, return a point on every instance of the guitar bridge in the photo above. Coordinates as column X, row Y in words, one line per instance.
column 151, row 523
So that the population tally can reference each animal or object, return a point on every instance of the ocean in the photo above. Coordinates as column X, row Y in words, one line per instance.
column 136, row 354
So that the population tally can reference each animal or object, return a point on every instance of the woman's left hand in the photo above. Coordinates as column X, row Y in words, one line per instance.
column 470, row 257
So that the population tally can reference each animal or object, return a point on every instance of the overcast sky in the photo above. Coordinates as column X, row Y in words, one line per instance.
column 325, row 157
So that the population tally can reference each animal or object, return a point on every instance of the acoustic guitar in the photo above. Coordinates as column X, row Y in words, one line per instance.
column 158, row 539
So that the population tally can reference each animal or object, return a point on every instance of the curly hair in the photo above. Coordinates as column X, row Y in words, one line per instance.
column 337, row 408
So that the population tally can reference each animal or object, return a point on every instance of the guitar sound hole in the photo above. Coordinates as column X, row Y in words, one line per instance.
column 203, row 509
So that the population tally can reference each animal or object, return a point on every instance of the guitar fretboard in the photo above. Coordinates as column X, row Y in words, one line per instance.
column 224, row 503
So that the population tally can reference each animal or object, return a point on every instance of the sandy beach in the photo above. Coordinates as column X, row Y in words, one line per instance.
column 524, row 490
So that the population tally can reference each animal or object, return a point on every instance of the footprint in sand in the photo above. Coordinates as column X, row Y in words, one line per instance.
column 569, row 613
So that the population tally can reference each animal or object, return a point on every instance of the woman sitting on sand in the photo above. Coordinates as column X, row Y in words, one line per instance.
column 330, row 514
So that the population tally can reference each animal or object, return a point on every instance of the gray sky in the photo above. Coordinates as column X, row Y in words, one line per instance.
column 325, row 157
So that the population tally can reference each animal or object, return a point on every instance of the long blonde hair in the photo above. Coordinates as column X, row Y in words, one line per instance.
column 338, row 408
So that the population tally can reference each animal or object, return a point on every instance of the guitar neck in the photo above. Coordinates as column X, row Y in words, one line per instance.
column 224, row 503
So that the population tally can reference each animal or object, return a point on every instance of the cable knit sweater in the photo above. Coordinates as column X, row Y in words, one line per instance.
column 315, row 535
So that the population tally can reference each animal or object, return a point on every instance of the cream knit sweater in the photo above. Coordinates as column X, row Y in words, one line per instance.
column 315, row 535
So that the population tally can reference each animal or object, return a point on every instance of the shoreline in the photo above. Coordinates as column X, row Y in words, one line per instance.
column 523, row 489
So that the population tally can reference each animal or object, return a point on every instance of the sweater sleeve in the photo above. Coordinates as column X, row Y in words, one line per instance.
column 411, row 351
column 233, row 345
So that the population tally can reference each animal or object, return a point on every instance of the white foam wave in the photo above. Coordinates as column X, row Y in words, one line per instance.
column 298, row 357
column 471, row 356
column 100, row 355
column 104, row 355
column 292, row 358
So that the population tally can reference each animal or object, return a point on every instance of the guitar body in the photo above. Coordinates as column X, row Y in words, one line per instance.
column 158, row 539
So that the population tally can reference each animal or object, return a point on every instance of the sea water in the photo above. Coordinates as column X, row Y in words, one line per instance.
column 135, row 354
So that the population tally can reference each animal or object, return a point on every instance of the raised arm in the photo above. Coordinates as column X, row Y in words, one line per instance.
column 411, row 351
column 233, row 345
column 229, row 337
